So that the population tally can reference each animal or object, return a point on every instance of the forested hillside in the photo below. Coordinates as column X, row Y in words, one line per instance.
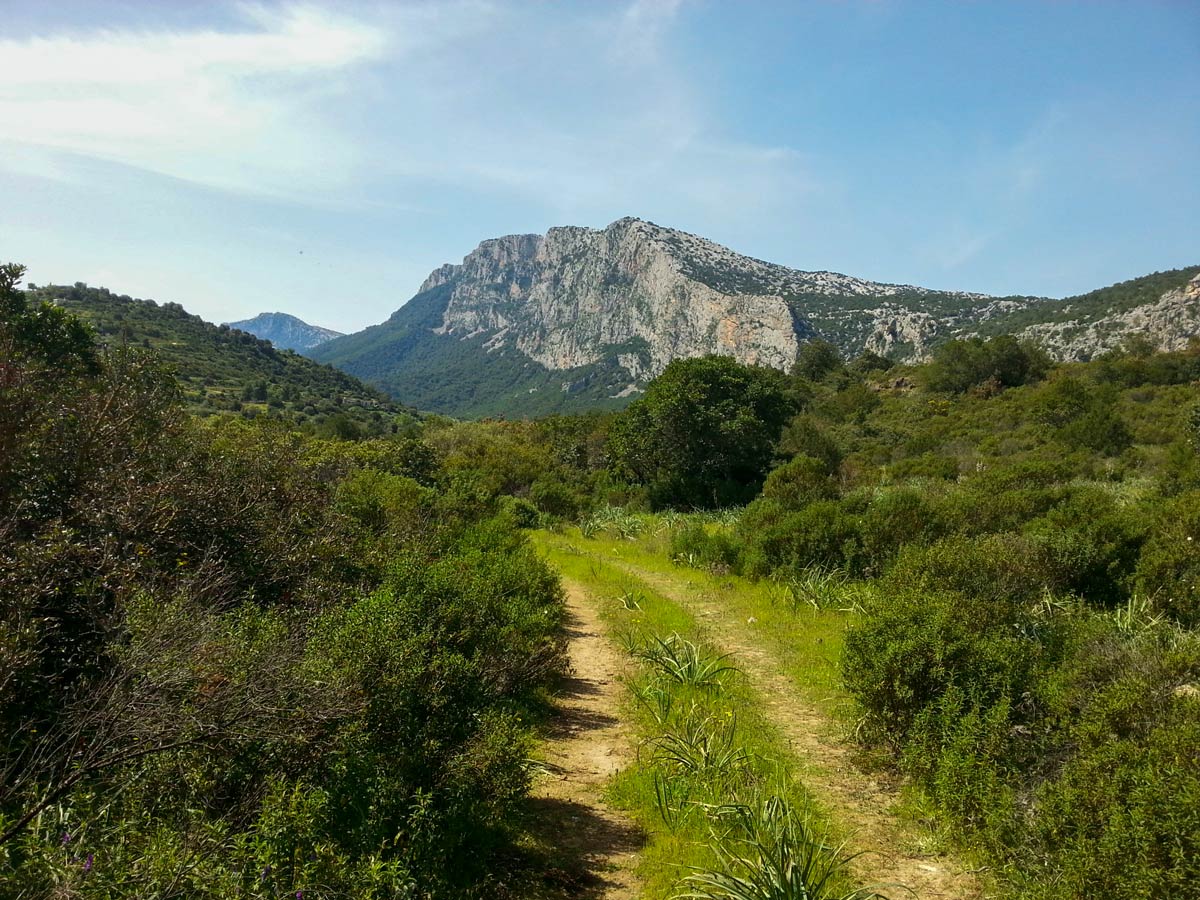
column 223, row 370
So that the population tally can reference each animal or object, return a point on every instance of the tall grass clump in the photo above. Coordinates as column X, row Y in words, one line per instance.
column 769, row 851
column 686, row 662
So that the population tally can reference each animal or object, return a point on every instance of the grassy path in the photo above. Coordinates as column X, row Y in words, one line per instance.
column 789, row 659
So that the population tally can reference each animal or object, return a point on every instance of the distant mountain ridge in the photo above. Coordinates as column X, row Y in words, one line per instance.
column 580, row 318
column 286, row 331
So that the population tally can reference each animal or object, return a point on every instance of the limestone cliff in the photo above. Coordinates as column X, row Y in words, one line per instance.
column 582, row 317
column 1170, row 323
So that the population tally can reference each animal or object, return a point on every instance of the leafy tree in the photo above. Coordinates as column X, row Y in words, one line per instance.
column 959, row 366
column 704, row 433
column 816, row 360
column 868, row 361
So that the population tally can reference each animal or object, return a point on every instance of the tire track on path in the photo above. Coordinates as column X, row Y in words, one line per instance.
column 587, row 744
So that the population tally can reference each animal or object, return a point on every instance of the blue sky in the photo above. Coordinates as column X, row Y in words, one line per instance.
column 321, row 158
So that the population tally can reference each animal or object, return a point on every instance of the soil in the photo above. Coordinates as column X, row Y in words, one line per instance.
column 587, row 744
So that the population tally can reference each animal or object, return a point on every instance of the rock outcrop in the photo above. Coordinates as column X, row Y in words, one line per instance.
column 1169, row 323
column 580, row 317
column 568, row 298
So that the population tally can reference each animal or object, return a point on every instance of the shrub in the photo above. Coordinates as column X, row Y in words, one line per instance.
column 693, row 545
column 1004, row 572
column 1168, row 569
column 1091, row 545
column 917, row 653
column 895, row 518
column 823, row 534
column 799, row 482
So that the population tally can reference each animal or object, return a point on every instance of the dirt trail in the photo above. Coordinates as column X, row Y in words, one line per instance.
column 862, row 802
column 587, row 744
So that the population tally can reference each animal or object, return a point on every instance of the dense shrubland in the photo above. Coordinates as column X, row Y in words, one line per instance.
column 236, row 661
column 1019, row 541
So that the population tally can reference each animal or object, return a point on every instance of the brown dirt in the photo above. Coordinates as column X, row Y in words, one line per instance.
column 588, row 743
column 896, row 857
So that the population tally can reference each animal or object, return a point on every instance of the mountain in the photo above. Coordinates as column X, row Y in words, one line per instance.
column 286, row 332
column 225, row 370
column 583, row 318
column 1164, row 307
column 580, row 318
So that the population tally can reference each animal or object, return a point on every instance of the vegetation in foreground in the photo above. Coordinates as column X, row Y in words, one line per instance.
column 1020, row 538
column 239, row 662
column 215, row 635
column 714, row 786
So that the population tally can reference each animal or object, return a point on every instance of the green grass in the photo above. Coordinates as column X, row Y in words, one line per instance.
column 807, row 641
column 705, row 749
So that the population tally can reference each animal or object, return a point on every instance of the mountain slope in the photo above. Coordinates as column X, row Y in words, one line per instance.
column 225, row 370
column 286, row 332
column 530, row 324
column 1163, row 307
column 580, row 317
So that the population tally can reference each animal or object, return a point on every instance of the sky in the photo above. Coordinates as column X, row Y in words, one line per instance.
column 322, row 158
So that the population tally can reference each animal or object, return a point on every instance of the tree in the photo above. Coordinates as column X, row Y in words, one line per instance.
column 817, row 359
column 958, row 366
column 704, row 433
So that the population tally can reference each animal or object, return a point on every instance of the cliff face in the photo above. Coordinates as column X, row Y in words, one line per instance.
column 1169, row 323
column 581, row 317
column 572, row 297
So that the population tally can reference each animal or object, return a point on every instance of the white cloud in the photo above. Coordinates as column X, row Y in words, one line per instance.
column 582, row 112
column 225, row 108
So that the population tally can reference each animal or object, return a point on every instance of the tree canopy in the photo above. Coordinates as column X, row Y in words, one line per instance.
column 704, row 433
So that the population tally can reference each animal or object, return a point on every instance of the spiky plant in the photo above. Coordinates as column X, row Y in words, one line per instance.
column 769, row 852
column 685, row 662
column 702, row 746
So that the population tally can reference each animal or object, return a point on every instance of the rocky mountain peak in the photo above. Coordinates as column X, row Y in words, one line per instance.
column 594, row 313
column 286, row 331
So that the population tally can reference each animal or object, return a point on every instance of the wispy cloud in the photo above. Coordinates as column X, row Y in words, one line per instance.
column 227, row 108
column 575, row 111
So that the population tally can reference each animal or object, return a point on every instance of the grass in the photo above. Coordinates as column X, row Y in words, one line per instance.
column 706, row 746
column 805, row 636
column 770, row 852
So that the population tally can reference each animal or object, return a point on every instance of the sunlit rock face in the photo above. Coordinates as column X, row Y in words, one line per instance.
column 1169, row 323
column 566, row 298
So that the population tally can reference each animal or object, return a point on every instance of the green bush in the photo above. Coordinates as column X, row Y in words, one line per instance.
column 1091, row 544
column 823, row 534
column 1168, row 569
column 695, row 546
column 799, row 482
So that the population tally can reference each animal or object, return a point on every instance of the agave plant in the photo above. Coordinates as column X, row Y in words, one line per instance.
column 702, row 746
column 1137, row 615
column 658, row 700
column 632, row 599
column 768, row 852
column 671, row 797
column 817, row 587
column 685, row 662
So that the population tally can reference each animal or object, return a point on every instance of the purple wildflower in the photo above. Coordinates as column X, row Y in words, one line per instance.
column 87, row 863
column 66, row 838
